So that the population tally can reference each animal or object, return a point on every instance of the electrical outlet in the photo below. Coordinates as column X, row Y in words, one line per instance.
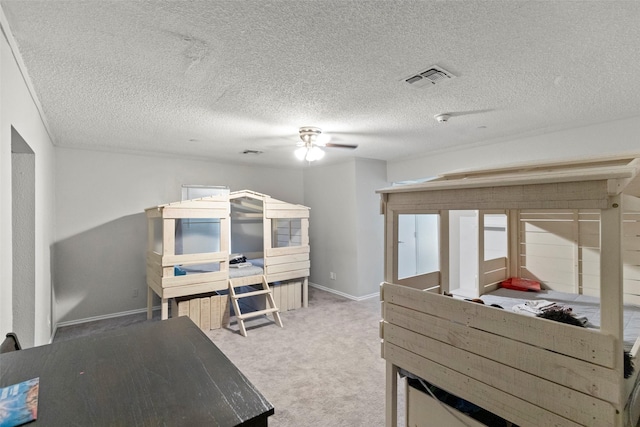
column 135, row 293
column 332, row 276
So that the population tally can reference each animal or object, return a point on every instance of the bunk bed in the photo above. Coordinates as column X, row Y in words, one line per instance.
column 572, row 226
column 189, row 246
column 169, row 258
column 271, row 234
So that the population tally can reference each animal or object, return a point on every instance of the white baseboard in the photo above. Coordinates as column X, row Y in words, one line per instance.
column 342, row 294
column 102, row 317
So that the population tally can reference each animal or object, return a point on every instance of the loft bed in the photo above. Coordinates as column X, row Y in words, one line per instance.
column 187, row 235
column 271, row 234
column 572, row 226
column 188, row 249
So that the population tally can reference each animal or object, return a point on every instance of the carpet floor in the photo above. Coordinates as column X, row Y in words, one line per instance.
column 322, row 369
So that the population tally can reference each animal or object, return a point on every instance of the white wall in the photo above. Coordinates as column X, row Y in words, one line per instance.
column 346, row 229
column 620, row 136
column 18, row 109
column 101, row 227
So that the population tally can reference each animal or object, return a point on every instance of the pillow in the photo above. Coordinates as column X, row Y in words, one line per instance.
column 520, row 284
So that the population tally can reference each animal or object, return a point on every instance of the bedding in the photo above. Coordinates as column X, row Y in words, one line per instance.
column 581, row 305
column 255, row 269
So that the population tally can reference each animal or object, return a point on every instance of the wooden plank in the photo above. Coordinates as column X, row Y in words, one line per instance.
column 579, row 375
column 546, row 250
column 154, row 257
column 247, row 280
column 493, row 277
column 631, row 272
column 194, row 310
column 443, row 225
column 611, row 303
column 631, row 257
column 269, row 252
column 284, row 295
column 225, row 311
column 547, row 239
column 291, row 297
column 304, row 229
column 546, row 394
column 205, row 313
column 495, row 264
column 292, row 266
column 421, row 281
column 276, row 213
column 201, row 203
column 288, row 275
column 200, row 288
column 180, row 213
column 168, row 237
column 569, row 195
column 297, row 297
column 216, row 276
column 215, row 311
column 191, row 259
column 154, row 212
column 583, row 344
column 503, row 404
column 285, row 259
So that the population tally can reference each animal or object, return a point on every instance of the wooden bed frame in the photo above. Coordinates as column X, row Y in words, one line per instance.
column 285, row 238
column 162, row 259
column 285, row 252
column 529, row 371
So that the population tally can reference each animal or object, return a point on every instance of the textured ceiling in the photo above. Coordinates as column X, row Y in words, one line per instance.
column 210, row 79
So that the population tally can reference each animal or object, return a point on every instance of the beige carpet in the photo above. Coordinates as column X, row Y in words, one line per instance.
column 322, row 369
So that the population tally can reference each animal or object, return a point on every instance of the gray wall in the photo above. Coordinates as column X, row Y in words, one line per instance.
column 370, row 176
column 346, row 229
column 99, row 253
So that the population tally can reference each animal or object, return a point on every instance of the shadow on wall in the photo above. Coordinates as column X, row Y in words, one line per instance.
column 101, row 271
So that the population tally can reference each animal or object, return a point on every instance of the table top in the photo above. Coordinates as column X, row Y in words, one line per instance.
column 157, row 373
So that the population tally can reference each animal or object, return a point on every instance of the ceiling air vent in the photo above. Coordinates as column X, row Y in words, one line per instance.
column 428, row 77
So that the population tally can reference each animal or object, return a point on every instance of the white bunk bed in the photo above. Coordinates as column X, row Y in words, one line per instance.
column 527, row 370
column 167, row 258
column 272, row 234
column 182, row 263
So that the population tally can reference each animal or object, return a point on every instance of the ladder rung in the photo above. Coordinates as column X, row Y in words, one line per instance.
column 256, row 313
column 252, row 293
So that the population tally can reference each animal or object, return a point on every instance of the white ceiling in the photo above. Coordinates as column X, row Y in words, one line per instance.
column 209, row 79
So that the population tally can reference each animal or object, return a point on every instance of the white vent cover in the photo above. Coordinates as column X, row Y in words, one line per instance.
column 428, row 77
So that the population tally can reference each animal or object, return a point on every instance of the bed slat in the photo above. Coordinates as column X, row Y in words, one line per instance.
column 560, row 400
column 503, row 404
column 583, row 344
column 579, row 375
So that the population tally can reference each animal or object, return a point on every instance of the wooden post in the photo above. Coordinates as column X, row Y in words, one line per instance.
column 444, row 251
column 611, row 283
column 391, row 412
column 480, row 272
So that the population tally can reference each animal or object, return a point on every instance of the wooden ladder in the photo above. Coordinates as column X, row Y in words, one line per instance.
column 271, row 305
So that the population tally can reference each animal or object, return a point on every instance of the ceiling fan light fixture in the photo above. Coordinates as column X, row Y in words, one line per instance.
column 301, row 153
column 314, row 153
column 309, row 153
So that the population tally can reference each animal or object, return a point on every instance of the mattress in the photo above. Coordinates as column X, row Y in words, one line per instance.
column 581, row 305
column 256, row 269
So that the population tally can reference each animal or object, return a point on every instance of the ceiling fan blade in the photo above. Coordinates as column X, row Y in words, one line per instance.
column 347, row 146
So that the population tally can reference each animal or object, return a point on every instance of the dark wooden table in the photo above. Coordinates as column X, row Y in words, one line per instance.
column 157, row 373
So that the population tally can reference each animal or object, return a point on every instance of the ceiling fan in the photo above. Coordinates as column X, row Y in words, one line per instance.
column 312, row 139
